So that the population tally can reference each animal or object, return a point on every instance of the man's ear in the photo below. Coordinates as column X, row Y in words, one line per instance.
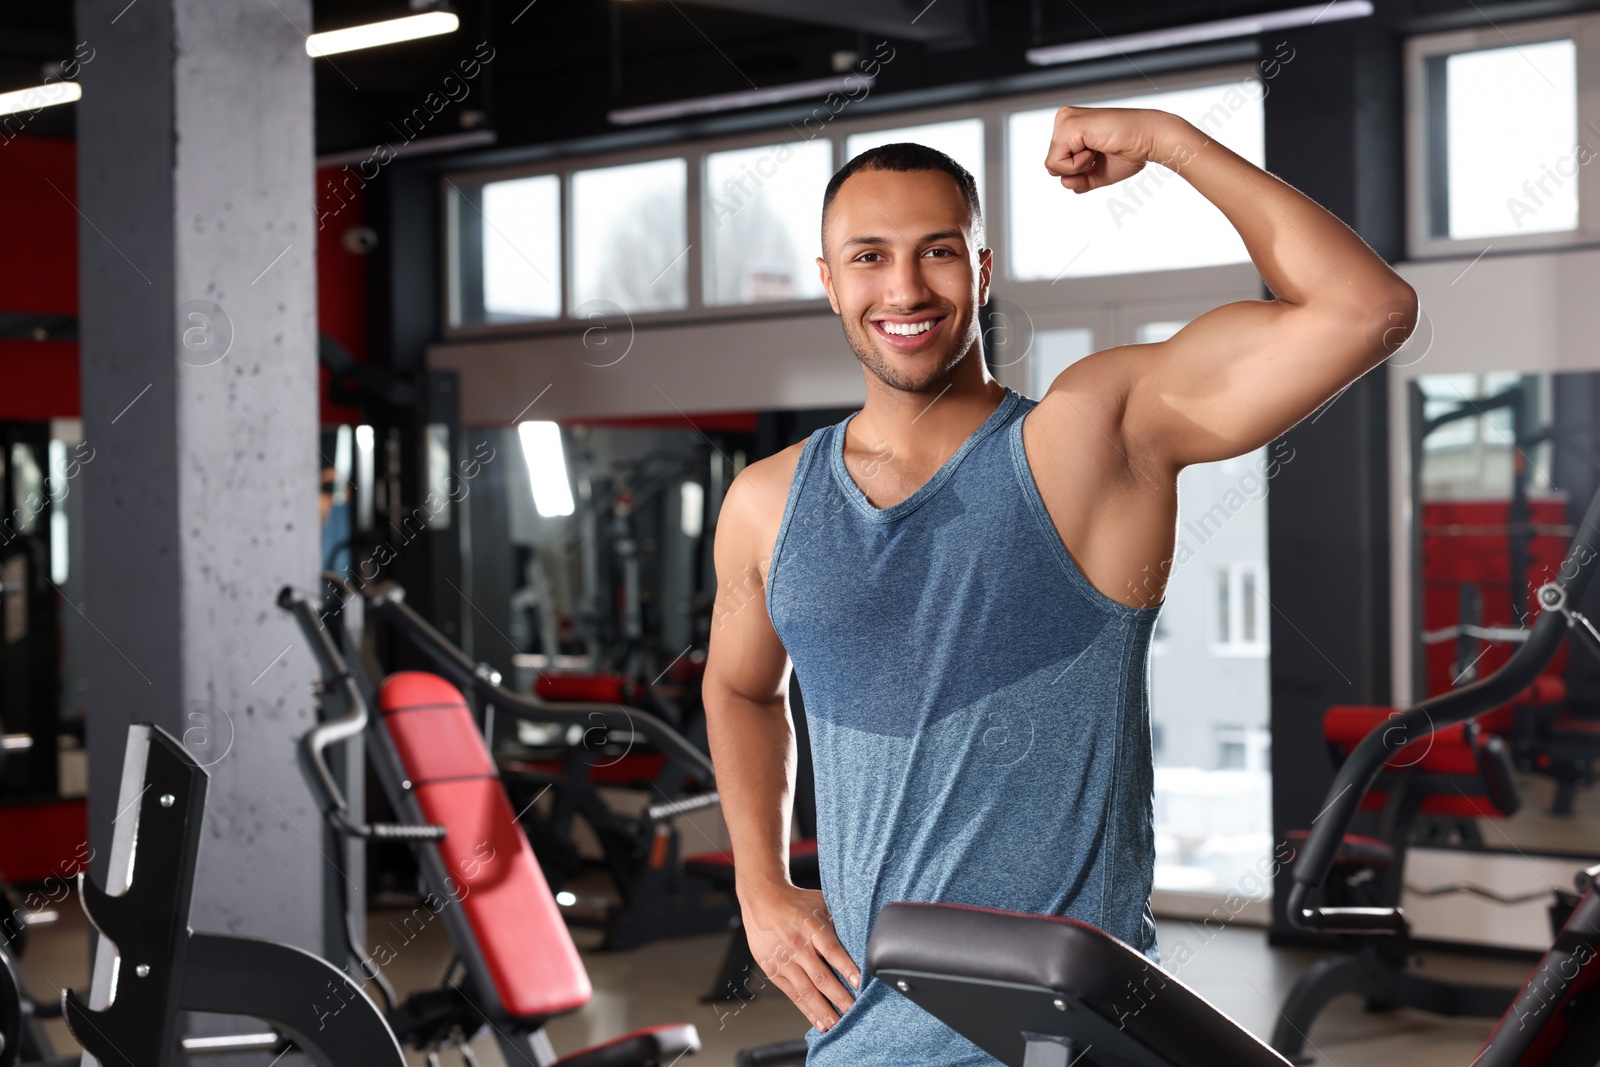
column 827, row 283
column 985, row 272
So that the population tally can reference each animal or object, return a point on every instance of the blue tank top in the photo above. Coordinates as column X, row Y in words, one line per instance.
column 979, row 715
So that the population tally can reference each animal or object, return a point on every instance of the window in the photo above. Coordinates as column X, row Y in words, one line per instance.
column 1230, row 748
column 1470, row 450
column 761, row 218
column 629, row 243
column 1154, row 332
column 1240, row 609
column 1153, row 221
column 507, row 266
column 961, row 140
column 1510, row 91
column 1242, row 748
column 546, row 249
column 1053, row 352
column 522, row 249
column 1521, row 104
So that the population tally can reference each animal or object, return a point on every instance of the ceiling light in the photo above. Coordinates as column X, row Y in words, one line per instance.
column 409, row 28
column 39, row 96
column 851, row 85
column 1244, row 26
column 547, row 467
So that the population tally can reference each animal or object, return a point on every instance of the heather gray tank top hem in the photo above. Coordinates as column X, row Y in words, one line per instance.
column 978, row 710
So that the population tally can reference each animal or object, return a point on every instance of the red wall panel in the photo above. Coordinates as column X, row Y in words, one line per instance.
column 39, row 273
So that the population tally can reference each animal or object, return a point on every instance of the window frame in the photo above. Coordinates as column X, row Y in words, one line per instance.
column 1424, row 115
column 702, row 162
column 1192, row 282
column 1229, row 643
column 692, row 291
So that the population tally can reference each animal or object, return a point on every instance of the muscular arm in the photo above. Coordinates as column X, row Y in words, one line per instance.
column 790, row 932
column 747, row 718
column 1239, row 376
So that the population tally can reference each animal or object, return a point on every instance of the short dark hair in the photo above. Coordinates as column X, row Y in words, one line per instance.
column 905, row 156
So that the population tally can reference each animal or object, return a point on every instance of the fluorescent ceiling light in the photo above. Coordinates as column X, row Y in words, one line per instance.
column 39, row 96
column 547, row 467
column 430, row 24
column 849, row 84
column 691, row 508
column 1244, row 26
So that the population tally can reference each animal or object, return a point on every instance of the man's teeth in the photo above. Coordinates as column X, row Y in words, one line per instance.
column 909, row 329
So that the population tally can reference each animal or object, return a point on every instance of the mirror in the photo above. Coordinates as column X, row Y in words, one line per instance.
column 1503, row 466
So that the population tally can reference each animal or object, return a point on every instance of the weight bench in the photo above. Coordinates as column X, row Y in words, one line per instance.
column 1042, row 991
column 1046, row 991
column 477, row 870
column 522, row 966
column 600, row 732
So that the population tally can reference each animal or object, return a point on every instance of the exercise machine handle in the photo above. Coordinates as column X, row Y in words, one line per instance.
column 1558, row 601
column 312, row 750
column 1352, row 920
column 404, row 831
column 657, row 812
column 391, row 605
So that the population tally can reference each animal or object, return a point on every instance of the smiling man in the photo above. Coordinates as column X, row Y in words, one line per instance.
column 959, row 575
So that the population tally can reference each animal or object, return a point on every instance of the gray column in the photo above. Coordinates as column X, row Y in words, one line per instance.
column 1333, row 129
column 197, row 259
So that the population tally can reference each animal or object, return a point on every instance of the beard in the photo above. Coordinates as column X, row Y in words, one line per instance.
column 942, row 362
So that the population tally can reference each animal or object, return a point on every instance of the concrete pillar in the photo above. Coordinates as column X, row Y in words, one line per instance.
column 199, row 340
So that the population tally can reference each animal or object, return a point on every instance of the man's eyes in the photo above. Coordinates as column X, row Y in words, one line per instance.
column 943, row 253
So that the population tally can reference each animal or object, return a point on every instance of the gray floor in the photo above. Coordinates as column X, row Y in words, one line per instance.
column 1234, row 969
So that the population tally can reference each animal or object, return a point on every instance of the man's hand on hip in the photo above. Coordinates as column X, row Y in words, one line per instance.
column 792, row 938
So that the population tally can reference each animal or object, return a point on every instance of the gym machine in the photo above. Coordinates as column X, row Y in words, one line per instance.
column 588, row 744
column 23, row 1041
column 22, row 1035
column 1487, row 552
column 518, row 965
column 149, row 965
column 1046, row 991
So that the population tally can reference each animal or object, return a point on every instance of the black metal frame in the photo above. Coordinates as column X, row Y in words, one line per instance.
column 1416, row 723
column 163, row 968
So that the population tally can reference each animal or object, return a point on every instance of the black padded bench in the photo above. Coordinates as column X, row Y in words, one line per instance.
column 1042, row 991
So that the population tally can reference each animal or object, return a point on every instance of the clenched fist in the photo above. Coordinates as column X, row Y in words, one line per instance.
column 1092, row 147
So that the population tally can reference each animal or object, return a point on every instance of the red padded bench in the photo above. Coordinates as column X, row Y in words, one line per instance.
column 503, row 920
column 1463, row 771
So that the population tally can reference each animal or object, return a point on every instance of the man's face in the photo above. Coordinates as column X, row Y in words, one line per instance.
column 901, row 273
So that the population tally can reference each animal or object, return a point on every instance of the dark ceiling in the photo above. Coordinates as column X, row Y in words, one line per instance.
column 559, row 66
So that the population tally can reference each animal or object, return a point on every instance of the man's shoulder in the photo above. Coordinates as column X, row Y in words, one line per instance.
column 752, row 511
column 762, row 488
column 1082, row 412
